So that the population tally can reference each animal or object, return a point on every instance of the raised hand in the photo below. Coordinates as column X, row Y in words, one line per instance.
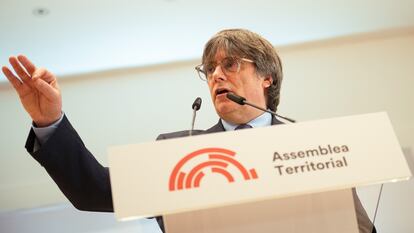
column 38, row 90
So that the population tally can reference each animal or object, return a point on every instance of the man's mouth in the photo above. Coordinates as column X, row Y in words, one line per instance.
column 222, row 91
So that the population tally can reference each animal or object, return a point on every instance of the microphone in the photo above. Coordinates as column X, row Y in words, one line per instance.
column 196, row 106
column 242, row 101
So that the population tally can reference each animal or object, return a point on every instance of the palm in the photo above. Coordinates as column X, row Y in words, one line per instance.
column 37, row 105
column 38, row 91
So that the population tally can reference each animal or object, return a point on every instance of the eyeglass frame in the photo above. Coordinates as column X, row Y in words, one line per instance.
column 239, row 60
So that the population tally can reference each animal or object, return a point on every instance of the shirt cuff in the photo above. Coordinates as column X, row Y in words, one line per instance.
column 43, row 133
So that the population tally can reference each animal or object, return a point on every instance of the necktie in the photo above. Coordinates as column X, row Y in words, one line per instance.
column 243, row 126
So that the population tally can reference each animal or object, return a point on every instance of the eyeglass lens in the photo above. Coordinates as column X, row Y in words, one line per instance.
column 228, row 65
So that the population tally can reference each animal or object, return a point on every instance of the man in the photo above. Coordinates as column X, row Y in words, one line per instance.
column 234, row 60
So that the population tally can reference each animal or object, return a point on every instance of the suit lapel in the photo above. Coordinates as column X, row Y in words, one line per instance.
column 216, row 128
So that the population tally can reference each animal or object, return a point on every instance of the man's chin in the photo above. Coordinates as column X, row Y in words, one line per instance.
column 224, row 109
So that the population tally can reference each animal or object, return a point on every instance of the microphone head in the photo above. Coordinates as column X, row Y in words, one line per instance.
column 197, row 104
column 235, row 98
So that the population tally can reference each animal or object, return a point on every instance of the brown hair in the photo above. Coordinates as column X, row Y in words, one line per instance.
column 246, row 44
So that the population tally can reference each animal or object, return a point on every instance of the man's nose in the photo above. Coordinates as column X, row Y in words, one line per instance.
column 218, row 74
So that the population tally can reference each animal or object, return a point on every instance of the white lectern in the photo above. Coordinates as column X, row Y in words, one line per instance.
column 285, row 178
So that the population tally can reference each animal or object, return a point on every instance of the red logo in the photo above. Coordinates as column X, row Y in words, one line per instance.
column 191, row 169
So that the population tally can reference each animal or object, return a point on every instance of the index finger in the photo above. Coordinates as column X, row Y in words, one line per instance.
column 27, row 64
column 12, row 79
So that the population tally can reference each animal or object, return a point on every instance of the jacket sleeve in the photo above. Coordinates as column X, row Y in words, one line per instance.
column 75, row 170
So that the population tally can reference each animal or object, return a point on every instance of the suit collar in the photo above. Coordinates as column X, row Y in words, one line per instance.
column 276, row 121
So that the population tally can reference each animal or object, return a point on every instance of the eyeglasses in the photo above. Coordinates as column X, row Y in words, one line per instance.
column 228, row 65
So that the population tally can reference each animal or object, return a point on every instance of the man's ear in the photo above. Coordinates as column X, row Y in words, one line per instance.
column 268, row 80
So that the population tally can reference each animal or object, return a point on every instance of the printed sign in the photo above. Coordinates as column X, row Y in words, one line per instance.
column 206, row 171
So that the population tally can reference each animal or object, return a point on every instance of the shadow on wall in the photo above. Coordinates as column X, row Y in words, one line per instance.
column 409, row 156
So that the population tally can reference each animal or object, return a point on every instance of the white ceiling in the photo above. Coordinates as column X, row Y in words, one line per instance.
column 86, row 36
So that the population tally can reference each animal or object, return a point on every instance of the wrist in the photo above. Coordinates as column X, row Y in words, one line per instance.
column 47, row 123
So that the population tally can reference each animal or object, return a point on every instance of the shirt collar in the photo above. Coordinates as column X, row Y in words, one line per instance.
column 263, row 120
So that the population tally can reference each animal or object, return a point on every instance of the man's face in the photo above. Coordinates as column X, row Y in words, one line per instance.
column 246, row 83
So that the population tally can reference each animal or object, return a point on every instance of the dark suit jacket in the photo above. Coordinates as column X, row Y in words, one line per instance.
column 78, row 174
